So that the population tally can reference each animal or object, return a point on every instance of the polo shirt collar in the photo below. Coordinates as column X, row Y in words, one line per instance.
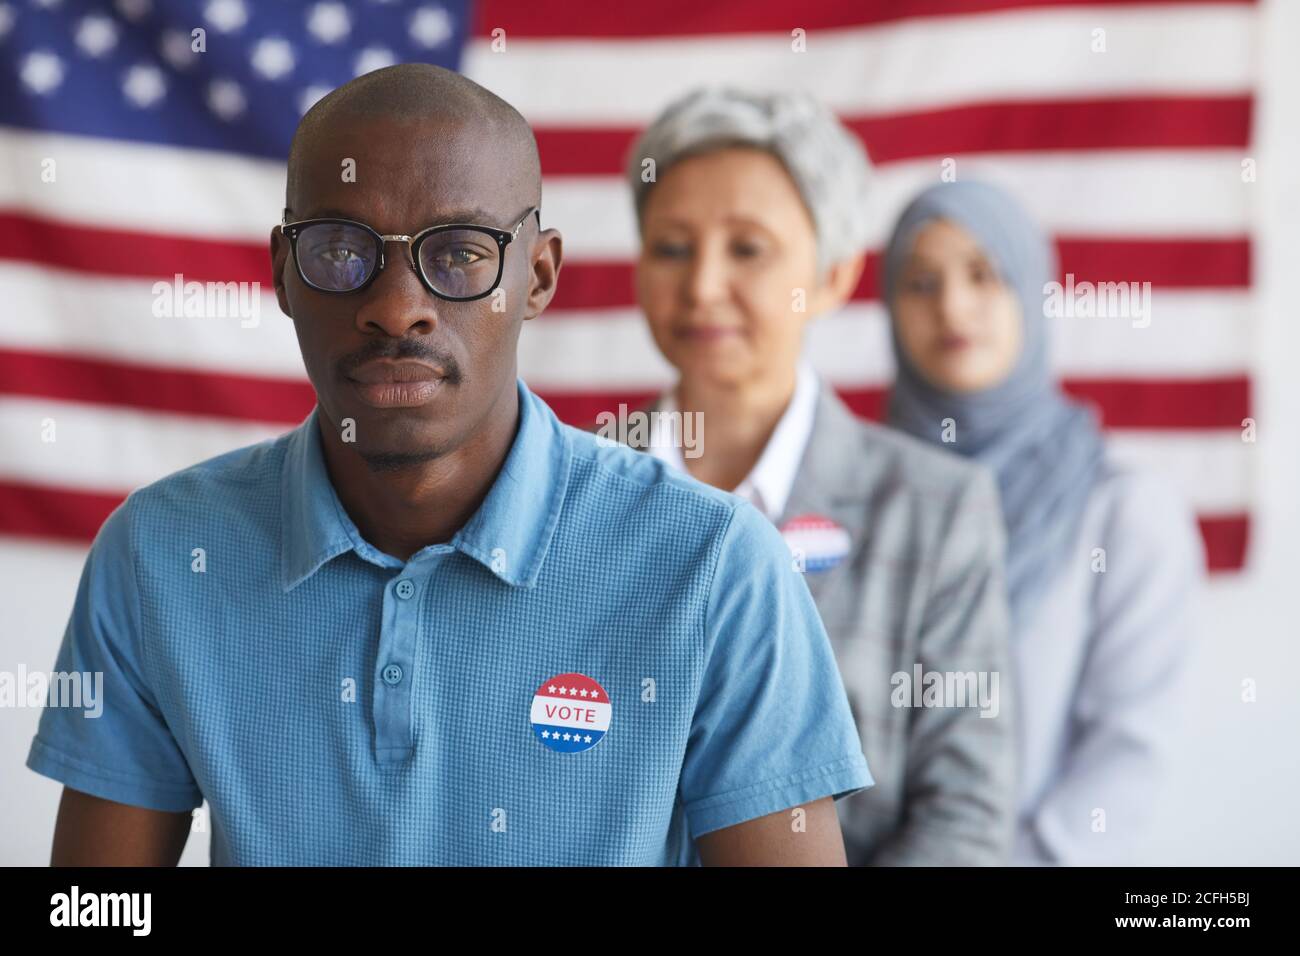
column 509, row 534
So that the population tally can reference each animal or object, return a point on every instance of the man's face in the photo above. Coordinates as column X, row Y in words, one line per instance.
column 415, row 373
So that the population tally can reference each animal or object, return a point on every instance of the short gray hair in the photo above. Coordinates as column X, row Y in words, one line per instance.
column 826, row 161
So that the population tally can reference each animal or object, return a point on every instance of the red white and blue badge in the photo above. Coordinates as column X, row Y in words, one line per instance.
column 570, row 713
column 818, row 542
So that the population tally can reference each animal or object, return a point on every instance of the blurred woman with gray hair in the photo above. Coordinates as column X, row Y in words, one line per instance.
column 750, row 209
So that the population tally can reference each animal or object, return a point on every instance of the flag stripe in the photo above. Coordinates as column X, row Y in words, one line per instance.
column 71, row 444
column 1226, row 539
column 1151, row 122
column 1033, row 53
column 181, row 391
column 1124, row 403
column 676, row 18
column 1193, row 404
column 1100, row 195
column 1187, row 334
column 95, row 447
column 1185, row 262
column 1212, row 470
column 1138, row 194
column 43, row 511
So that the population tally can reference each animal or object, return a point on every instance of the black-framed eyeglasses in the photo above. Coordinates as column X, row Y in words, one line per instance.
column 458, row 262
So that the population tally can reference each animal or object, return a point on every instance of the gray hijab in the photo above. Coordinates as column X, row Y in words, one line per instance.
column 1045, row 450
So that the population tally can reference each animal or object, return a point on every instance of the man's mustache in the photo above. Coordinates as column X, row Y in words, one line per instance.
column 398, row 349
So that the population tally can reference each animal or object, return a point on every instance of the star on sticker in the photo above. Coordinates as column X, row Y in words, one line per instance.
column 584, row 692
column 545, row 734
column 564, row 690
column 588, row 738
column 595, row 693
column 551, row 689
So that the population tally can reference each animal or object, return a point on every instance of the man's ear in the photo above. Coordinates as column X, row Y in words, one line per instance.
column 838, row 285
column 279, row 255
column 547, row 256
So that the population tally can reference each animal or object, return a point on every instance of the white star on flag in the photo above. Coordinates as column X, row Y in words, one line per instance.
column 177, row 49
column 430, row 26
column 373, row 58
column 272, row 57
column 41, row 71
column 329, row 22
column 144, row 85
column 226, row 99
column 96, row 35
column 226, row 15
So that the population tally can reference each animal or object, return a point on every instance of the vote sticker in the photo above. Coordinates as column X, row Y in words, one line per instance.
column 819, row 541
column 570, row 713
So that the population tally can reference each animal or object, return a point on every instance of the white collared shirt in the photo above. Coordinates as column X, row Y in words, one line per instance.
column 769, row 484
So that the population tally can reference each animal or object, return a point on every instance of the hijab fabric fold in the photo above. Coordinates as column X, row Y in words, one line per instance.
column 1045, row 450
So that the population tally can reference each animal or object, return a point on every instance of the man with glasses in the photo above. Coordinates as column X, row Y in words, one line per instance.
column 435, row 625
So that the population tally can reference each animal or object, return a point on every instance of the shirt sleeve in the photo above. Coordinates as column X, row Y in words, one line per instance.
column 1130, row 709
column 120, row 747
column 960, row 773
column 772, row 727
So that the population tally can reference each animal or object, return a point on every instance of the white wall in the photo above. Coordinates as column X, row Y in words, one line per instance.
column 1241, row 770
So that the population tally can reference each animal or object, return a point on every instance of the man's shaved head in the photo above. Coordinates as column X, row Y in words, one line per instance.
column 415, row 93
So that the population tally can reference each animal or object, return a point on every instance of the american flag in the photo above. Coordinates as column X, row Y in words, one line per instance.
column 132, row 157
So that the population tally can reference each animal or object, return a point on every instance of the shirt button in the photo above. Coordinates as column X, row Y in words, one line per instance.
column 393, row 674
column 405, row 589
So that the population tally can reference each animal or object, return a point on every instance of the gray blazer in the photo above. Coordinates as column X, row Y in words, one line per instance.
column 922, row 584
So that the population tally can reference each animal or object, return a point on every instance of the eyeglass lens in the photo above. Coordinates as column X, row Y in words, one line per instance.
column 338, row 257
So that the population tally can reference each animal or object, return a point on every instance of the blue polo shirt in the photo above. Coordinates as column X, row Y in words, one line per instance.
column 607, row 660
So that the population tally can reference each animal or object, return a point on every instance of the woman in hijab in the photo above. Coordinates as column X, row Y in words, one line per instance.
column 750, row 215
column 1102, row 563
